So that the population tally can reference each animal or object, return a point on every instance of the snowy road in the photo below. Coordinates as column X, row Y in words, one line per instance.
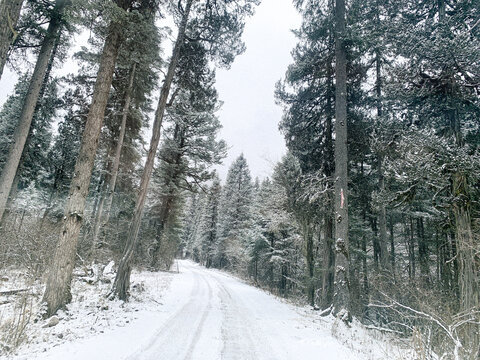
column 204, row 315
column 219, row 317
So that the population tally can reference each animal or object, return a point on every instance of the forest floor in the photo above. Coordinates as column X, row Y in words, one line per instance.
column 194, row 314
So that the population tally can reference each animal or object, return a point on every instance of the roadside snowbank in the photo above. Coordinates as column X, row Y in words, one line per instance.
column 88, row 316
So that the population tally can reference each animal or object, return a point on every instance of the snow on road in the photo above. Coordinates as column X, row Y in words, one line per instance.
column 208, row 315
column 223, row 318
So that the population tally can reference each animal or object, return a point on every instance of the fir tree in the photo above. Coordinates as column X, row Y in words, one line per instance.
column 235, row 216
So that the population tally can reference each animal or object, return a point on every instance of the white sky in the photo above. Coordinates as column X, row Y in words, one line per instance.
column 249, row 115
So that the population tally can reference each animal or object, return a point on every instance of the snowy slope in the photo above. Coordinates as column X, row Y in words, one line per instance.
column 206, row 314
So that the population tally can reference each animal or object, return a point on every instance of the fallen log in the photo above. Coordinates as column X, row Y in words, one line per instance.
column 13, row 292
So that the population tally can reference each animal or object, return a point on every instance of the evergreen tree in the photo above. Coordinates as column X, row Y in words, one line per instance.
column 21, row 132
column 190, row 148
column 57, row 292
column 209, row 223
column 218, row 28
column 235, row 217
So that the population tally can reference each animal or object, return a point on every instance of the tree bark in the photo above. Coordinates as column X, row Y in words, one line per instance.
column 411, row 250
column 328, row 263
column 392, row 247
column 122, row 280
column 170, row 199
column 382, row 219
column 341, row 299
column 9, row 14
column 21, row 131
column 423, row 252
column 467, row 253
column 308, row 236
column 329, row 170
column 466, row 246
column 57, row 292
column 98, row 221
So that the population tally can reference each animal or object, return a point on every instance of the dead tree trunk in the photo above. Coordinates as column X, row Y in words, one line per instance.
column 122, row 280
column 21, row 131
column 9, row 14
column 341, row 299
column 57, row 292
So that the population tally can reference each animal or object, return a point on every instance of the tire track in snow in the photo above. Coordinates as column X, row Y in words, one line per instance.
column 242, row 340
column 175, row 339
column 199, row 329
column 175, row 326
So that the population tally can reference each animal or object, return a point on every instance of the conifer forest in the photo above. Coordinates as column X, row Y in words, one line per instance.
column 124, row 206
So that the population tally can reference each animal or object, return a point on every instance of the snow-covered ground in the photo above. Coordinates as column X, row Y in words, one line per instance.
column 198, row 314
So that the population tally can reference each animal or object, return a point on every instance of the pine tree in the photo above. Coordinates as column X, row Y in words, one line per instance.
column 25, row 120
column 235, row 217
column 57, row 292
column 122, row 280
column 220, row 27
column 190, row 148
column 209, row 223
column 134, row 80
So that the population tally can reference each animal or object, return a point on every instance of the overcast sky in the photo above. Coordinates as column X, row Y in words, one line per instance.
column 249, row 115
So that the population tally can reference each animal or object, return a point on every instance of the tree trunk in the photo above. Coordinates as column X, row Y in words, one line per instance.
column 57, row 292
column 366, row 287
column 98, row 209
column 341, row 299
column 466, row 246
column 467, row 253
column 382, row 218
column 21, row 131
column 382, row 221
column 169, row 201
column 328, row 263
column 308, row 236
column 411, row 251
column 122, row 280
column 9, row 14
column 423, row 256
column 329, row 170
column 53, row 54
column 118, row 150
column 375, row 242
column 364, row 266
column 392, row 247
